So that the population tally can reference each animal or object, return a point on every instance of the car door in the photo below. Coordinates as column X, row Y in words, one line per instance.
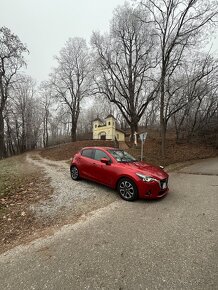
column 103, row 172
column 86, row 163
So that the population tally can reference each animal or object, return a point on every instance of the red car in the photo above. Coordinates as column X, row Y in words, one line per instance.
column 117, row 169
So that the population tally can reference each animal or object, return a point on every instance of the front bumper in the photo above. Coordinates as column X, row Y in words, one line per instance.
column 152, row 190
column 158, row 195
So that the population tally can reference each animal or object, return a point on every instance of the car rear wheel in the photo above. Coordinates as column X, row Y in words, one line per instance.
column 74, row 172
column 127, row 189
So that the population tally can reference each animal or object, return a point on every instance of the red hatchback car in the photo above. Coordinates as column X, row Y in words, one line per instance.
column 117, row 169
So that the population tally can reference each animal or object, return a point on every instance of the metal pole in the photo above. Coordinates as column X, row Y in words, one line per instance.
column 142, row 150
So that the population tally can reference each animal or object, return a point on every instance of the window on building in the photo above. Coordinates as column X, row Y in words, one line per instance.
column 109, row 123
column 117, row 136
column 96, row 126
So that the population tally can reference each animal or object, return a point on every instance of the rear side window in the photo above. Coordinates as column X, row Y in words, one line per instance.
column 100, row 154
column 87, row 153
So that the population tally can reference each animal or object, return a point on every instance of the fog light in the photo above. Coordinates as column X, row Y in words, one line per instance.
column 148, row 193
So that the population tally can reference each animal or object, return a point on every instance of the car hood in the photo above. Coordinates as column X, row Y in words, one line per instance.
column 146, row 169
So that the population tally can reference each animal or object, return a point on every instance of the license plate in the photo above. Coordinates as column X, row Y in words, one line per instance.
column 164, row 185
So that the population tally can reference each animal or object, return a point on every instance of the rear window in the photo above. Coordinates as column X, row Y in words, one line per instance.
column 87, row 153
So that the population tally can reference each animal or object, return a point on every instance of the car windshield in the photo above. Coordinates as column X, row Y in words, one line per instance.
column 121, row 156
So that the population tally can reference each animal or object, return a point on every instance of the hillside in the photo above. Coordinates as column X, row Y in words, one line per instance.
column 66, row 151
column 24, row 182
column 175, row 152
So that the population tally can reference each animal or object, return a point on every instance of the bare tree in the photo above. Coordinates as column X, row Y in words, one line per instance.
column 200, row 98
column 23, row 115
column 22, row 96
column 179, row 25
column 71, row 80
column 45, row 91
column 125, row 59
column 150, row 117
column 11, row 60
column 190, row 81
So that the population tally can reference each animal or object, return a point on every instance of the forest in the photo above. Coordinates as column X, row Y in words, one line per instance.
column 153, row 68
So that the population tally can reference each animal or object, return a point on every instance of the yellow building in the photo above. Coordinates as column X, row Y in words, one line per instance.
column 107, row 130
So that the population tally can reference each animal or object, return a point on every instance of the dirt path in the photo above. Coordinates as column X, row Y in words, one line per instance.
column 167, row 244
column 70, row 199
column 44, row 198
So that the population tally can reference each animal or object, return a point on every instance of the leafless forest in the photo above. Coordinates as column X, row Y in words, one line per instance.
column 153, row 68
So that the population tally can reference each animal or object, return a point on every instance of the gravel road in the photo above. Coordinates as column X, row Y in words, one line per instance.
column 165, row 244
column 70, row 198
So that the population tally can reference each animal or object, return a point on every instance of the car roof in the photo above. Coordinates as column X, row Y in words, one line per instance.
column 100, row 147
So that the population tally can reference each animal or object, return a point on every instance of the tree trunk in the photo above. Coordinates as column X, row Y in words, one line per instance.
column 176, row 128
column 23, row 135
column 133, row 128
column 163, row 138
column 10, row 147
column 216, row 142
column 2, row 139
column 17, row 136
column 73, row 135
column 162, row 99
column 73, row 131
column 45, row 132
column 162, row 123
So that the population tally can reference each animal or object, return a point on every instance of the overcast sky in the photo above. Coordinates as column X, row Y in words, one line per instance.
column 45, row 25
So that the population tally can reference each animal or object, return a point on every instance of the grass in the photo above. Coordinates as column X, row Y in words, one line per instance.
column 21, row 184
column 11, row 174
column 16, row 176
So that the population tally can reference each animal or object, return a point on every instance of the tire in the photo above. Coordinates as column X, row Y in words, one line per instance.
column 74, row 172
column 127, row 189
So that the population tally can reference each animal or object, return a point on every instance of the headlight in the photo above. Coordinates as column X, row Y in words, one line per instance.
column 146, row 178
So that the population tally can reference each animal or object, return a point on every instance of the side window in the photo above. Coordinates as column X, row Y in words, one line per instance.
column 100, row 154
column 87, row 153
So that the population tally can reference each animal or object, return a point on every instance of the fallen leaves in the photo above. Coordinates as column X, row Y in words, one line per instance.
column 16, row 219
column 30, row 185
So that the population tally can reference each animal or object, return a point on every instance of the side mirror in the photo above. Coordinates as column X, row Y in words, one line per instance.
column 105, row 161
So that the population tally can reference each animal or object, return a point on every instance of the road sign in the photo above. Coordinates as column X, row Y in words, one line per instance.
column 143, row 136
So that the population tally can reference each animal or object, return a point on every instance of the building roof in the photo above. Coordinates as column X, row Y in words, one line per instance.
column 110, row 116
column 97, row 119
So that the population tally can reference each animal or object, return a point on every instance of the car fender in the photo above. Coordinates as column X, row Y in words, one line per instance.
column 126, row 176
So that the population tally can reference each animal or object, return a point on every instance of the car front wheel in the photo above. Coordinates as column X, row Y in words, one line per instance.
column 74, row 172
column 127, row 189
